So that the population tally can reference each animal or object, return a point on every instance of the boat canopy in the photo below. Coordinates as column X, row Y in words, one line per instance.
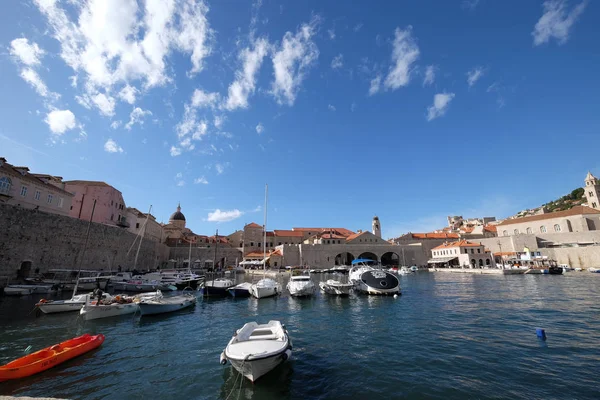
column 441, row 260
column 362, row 260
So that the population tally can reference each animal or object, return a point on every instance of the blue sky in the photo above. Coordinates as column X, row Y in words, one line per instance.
column 409, row 110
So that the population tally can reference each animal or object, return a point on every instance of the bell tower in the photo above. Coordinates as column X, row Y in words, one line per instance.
column 592, row 191
column 376, row 225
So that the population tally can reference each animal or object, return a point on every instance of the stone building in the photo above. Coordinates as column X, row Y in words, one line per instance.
column 110, row 207
column 461, row 253
column 21, row 188
column 138, row 220
column 176, row 228
column 576, row 219
column 376, row 227
column 592, row 191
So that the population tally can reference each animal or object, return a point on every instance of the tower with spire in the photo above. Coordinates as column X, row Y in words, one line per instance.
column 592, row 191
column 177, row 218
column 376, row 225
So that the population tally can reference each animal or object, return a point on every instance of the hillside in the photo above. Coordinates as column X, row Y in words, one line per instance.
column 575, row 198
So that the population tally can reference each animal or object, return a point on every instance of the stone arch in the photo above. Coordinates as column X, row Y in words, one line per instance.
column 369, row 255
column 390, row 259
column 480, row 262
column 344, row 258
column 473, row 262
column 24, row 270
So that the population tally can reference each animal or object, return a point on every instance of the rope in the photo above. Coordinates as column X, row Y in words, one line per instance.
column 240, row 375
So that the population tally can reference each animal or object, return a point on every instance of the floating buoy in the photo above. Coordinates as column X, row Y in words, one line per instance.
column 223, row 359
column 395, row 296
column 541, row 333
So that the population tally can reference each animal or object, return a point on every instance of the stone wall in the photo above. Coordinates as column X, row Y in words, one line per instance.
column 226, row 255
column 54, row 241
column 576, row 257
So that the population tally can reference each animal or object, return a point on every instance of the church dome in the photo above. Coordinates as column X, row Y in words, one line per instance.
column 177, row 215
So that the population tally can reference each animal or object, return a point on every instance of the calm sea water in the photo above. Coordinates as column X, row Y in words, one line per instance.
column 449, row 336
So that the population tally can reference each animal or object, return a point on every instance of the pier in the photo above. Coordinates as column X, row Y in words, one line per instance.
column 482, row 271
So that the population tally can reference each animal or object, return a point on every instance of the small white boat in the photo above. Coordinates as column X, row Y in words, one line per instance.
column 596, row 270
column 404, row 271
column 73, row 304
column 266, row 287
column 216, row 287
column 35, row 288
column 336, row 287
column 14, row 290
column 255, row 349
column 578, row 269
column 300, row 286
column 241, row 290
column 137, row 285
column 161, row 305
column 117, row 305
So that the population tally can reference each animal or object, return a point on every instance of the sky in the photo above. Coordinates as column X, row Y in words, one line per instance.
column 408, row 110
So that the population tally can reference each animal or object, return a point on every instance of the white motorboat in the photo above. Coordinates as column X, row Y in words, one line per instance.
column 137, row 286
column 255, row 349
column 336, row 287
column 370, row 280
column 33, row 288
column 160, row 304
column 404, row 271
column 73, row 304
column 300, row 286
column 596, row 270
column 216, row 287
column 118, row 305
column 266, row 287
column 14, row 290
column 241, row 290
column 414, row 268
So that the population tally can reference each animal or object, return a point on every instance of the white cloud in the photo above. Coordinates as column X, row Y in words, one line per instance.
column 60, row 121
column 353, row 107
column 429, row 75
column 404, row 54
column 296, row 54
column 128, row 94
column 470, row 4
column 224, row 216
column 115, row 124
column 104, row 103
column 331, row 107
column 202, row 99
column 178, row 175
column 473, row 75
column 175, row 151
column 32, row 77
column 337, row 62
column 358, row 27
column 201, row 180
column 245, row 79
column 109, row 43
column 218, row 121
column 331, row 33
column 221, row 167
column 137, row 117
column 181, row 183
column 375, row 85
column 260, row 128
column 28, row 54
column 112, row 147
column 556, row 22
column 441, row 101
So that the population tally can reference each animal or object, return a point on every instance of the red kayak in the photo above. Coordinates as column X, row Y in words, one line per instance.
column 50, row 357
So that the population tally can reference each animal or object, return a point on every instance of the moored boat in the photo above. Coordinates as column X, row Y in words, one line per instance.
column 33, row 288
column 216, row 287
column 595, row 270
column 370, row 280
column 256, row 349
column 17, row 291
column 137, row 286
column 160, row 304
column 116, row 306
column 301, row 286
column 336, row 287
column 73, row 304
column 265, row 287
column 241, row 290
column 49, row 357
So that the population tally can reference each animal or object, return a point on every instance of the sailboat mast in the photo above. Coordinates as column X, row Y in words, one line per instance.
column 265, row 232
column 190, row 255
column 216, row 247
column 143, row 232
column 87, row 236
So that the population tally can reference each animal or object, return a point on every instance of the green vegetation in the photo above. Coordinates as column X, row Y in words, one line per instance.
column 575, row 198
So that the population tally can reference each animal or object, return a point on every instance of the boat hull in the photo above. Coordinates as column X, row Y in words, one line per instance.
column 239, row 292
column 193, row 283
column 10, row 291
column 378, row 282
column 338, row 290
column 260, row 292
column 153, row 308
column 50, row 357
column 215, row 291
column 136, row 287
column 60, row 306
column 91, row 312
column 301, row 290
column 256, row 368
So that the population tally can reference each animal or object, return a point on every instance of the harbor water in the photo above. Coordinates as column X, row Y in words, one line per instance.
column 449, row 336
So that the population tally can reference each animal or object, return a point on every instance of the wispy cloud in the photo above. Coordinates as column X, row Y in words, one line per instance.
column 337, row 62
column 224, row 216
column 474, row 75
column 112, row 147
column 201, row 180
column 358, row 27
column 331, row 33
column 245, row 79
column 331, row 107
column 556, row 22
column 375, row 85
column 220, row 167
column 137, row 117
column 470, row 4
column 260, row 128
column 441, row 101
column 404, row 54
column 429, row 75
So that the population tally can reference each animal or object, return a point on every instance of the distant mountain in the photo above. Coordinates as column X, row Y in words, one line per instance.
column 575, row 198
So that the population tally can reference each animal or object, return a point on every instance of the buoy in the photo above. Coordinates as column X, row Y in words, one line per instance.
column 541, row 333
column 223, row 359
column 395, row 296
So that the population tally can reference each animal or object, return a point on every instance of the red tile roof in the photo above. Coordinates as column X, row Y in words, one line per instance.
column 460, row 243
column 253, row 225
column 354, row 236
column 435, row 235
column 341, row 231
column 490, row 228
column 254, row 254
column 283, row 232
column 577, row 210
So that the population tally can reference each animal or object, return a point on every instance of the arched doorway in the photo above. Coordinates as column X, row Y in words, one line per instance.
column 344, row 258
column 390, row 259
column 480, row 262
column 24, row 270
column 369, row 255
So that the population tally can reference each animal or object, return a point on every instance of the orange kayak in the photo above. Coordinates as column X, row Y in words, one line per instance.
column 50, row 357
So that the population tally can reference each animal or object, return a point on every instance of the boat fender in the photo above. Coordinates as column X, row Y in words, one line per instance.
column 286, row 355
column 42, row 301
column 223, row 359
column 541, row 333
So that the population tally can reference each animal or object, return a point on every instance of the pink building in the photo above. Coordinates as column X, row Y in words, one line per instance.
column 110, row 206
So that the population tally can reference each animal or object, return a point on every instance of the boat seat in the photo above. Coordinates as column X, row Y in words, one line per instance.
column 262, row 334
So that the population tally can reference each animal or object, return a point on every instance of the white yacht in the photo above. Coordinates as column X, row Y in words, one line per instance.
column 73, row 304
column 336, row 287
column 300, row 286
column 266, row 287
column 255, row 349
column 370, row 280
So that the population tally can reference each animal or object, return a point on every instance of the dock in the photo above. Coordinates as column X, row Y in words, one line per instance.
column 481, row 271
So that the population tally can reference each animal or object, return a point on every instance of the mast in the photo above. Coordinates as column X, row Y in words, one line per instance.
column 403, row 259
column 142, row 233
column 265, row 233
column 216, row 247
column 190, row 256
column 87, row 236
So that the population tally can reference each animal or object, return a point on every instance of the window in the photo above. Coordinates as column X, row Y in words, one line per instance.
column 251, row 244
column 487, row 261
column 472, row 251
column 516, row 231
column 37, row 195
column 23, row 191
column 137, row 225
column 504, row 233
column 466, row 251
column 50, row 199
column 5, row 184
column 478, row 251
column 543, row 229
column 529, row 231
column 338, row 242
column 60, row 202
column 111, row 203
column 556, row 228
column 591, row 194
column 594, row 205
column 279, row 243
column 112, row 216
